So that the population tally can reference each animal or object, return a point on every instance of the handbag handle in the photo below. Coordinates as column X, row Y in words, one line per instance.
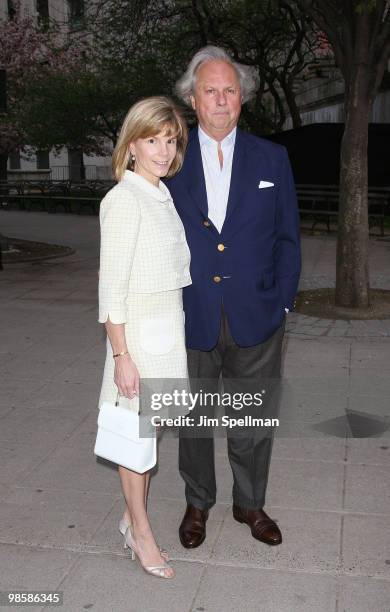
column 118, row 396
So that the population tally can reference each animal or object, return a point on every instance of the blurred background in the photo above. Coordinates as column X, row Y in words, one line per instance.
column 72, row 68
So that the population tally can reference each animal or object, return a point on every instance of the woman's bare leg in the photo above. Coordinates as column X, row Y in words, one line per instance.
column 134, row 488
column 126, row 514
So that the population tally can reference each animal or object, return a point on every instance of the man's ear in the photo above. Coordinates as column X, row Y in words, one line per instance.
column 192, row 100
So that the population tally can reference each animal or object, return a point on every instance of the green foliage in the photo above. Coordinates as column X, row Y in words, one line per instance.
column 366, row 6
column 83, row 108
column 272, row 36
column 137, row 48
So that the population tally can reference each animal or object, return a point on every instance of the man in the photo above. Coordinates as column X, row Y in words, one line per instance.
column 235, row 195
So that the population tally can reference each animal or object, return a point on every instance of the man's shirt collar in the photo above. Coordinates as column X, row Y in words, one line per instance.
column 204, row 139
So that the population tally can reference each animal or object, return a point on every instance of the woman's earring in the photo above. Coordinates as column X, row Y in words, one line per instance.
column 133, row 158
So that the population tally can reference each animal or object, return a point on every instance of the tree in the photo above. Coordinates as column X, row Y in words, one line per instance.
column 22, row 47
column 85, row 107
column 85, row 101
column 26, row 52
column 122, row 30
column 359, row 33
column 275, row 37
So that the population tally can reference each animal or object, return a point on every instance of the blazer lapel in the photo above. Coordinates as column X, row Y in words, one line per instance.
column 237, row 180
column 195, row 176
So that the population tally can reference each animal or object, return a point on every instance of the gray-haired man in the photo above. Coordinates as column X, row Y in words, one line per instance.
column 235, row 195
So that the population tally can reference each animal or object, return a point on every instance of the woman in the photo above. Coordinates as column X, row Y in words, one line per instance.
column 144, row 263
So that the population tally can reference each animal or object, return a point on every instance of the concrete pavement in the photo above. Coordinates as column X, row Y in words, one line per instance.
column 329, row 482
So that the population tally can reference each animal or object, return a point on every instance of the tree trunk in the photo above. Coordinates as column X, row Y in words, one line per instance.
column 76, row 165
column 292, row 105
column 82, row 167
column 352, row 268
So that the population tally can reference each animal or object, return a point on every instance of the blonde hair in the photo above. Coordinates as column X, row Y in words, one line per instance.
column 146, row 118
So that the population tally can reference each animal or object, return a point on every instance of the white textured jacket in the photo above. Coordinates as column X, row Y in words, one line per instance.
column 143, row 246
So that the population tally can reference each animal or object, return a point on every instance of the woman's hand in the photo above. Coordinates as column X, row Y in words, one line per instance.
column 126, row 376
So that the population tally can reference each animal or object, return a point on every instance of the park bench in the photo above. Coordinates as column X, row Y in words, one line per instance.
column 50, row 195
column 321, row 204
column 28, row 194
column 11, row 191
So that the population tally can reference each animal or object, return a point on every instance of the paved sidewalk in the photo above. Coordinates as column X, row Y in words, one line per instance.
column 329, row 482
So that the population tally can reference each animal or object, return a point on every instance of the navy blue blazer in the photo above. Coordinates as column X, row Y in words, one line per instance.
column 252, row 267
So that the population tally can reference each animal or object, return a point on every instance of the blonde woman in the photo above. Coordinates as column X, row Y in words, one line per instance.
column 144, row 263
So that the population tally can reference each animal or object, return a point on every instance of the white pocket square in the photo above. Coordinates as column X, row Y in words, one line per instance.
column 264, row 184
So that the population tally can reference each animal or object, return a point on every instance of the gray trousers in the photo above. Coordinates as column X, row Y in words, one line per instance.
column 249, row 454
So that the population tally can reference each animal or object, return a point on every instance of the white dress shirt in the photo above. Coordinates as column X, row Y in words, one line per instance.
column 217, row 179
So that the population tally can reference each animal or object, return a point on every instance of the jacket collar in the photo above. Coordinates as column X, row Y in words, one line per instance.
column 161, row 192
column 195, row 175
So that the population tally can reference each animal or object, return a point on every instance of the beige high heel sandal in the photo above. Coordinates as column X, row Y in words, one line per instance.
column 123, row 525
column 153, row 570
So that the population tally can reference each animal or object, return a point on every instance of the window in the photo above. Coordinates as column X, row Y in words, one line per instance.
column 76, row 13
column 43, row 160
column 11, row 9
column 14, row 160
column 43, row 11
column 76, row 165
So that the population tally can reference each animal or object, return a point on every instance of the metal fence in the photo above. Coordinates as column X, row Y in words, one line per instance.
column 78, row 173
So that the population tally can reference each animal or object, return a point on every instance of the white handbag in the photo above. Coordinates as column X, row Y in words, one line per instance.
column 118, row 438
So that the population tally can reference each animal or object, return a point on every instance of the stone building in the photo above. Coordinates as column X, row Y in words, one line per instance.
column 320, row 97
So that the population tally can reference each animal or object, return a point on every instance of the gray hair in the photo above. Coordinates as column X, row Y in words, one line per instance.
column 247, row 75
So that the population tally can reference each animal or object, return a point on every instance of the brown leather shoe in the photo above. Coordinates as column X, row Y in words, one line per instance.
column 263, row 528
column 192, row 530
